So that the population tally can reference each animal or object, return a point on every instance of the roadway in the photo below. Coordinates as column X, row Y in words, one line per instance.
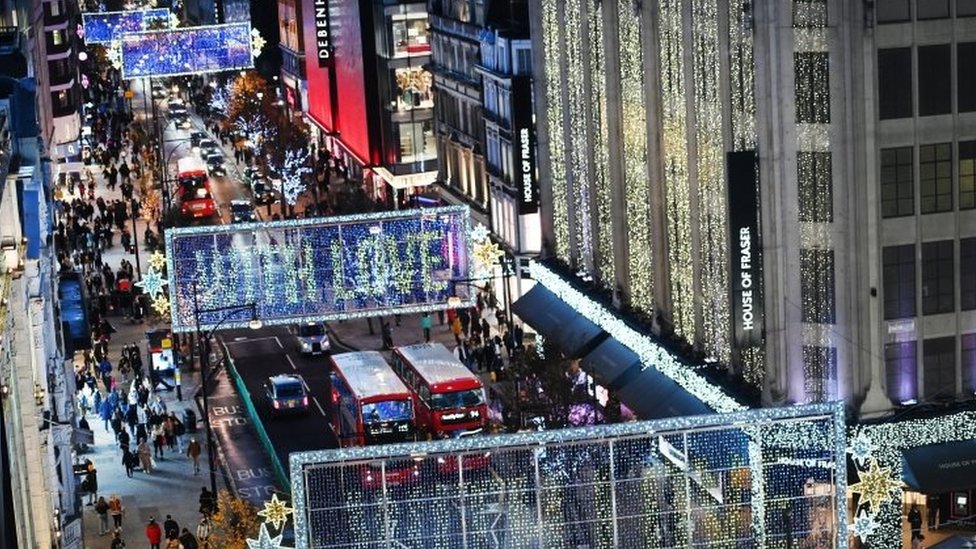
column 269, row 352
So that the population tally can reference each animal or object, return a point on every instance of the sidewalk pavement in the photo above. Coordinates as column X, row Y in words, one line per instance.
column 172, row 488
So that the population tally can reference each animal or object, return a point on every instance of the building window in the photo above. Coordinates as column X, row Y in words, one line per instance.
column 967, row 175
column 901, row 364
column 410, row 37
column 894, row 11
column 810, row 14
column 898, row 279
column 932, row 9
column 817, row 286
column 523, row 61
column 938, row 274
column 966, row 76
column 417, row 141
column 815, row 187
column 820, row 372
column 939, row 367
column 967, row 266
column 897, row 182
column 895, row 83
column 965, row 8
column 57, row 37
column 969, row 363
column 935, row 177
column 934, row 80
column 812, row 87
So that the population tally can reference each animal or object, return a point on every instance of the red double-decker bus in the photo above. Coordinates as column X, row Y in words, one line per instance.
column 448, row 397
column 371, row 405
column 193, row 189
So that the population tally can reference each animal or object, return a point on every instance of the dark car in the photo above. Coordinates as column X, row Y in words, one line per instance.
column 159, row 92
column 215, row 164
column 181, row 120
column 249, row 174
column 196, row 137
column 286, row 394
column 207, row 147
column 241, row 211
column 262, row 191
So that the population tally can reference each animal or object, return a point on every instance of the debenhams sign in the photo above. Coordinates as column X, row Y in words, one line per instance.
column 323, row 36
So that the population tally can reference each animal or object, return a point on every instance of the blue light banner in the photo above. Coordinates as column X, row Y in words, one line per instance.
column 189, row 50
column 319, row 269
column 104, row 27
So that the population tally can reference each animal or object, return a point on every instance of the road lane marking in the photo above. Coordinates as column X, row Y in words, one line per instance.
column 249, row 339
column 292, row 362
column 316, row 401
column 280, row 345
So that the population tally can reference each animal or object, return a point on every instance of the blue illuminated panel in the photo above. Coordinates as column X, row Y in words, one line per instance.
column 103, row 27
column 189, row 50
column 319, row 269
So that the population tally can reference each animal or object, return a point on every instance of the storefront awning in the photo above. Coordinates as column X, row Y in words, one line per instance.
column 653, row 395
column 611, row 364
column 941, row 468
column 570, row 332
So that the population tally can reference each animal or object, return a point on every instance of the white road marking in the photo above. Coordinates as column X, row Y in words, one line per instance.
column 249, row 339
column 316, row 401
column 279, row 344
column 292, row 362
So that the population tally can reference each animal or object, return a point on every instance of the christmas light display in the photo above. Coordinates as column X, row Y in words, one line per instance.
column 104, row 27
column 291, row 183
column 275, row 512
column 152, row 283
column 553, row 22
column 161, row 305
column 187, row 50
column 157, row 261
column 652, row 354
column 265, row 541
column 580, row 160
column 693, row 481
column 320, row 269
column 255, row 127
column 877, row 450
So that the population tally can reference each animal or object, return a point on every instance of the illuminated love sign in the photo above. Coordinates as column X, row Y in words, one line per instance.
column 319, row 269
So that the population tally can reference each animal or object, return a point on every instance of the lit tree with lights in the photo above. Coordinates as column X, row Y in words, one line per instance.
column 255, row 128
column 220, row 98
column 291, row 169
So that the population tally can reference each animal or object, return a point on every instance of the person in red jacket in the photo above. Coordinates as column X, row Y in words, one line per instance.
column 154, row 533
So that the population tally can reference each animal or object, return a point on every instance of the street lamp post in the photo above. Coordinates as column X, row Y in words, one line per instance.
column 229, row 311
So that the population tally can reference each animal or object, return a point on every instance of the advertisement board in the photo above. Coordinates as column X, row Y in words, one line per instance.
column 319, row 269
column 187, row 50
column 745, row 254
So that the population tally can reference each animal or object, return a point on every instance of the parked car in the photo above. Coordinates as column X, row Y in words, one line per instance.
column 286, row 394
column 215, row 165
column 241, row 211
column 311, row 338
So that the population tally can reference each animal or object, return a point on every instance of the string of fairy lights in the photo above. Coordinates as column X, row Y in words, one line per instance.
column 552, row 24
column 816, row 265
column 579, row 150
column 606, row 223
column 636, row 175
column 711, row 182
column 675, row 158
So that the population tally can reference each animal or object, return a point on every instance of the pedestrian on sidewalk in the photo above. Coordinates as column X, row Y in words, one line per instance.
column 426, row 323
column 145, row 457
column 203, row 531
column 117, row 510
column 171, row 527
column 154, row 534
column 172, row 542
column 188, row 541
column 101, row 507
column 206, row 502
column 117, row 542
column 91, row 482
column 105, row 411
column 159, row 440
column 193, row 450
column 129, row 460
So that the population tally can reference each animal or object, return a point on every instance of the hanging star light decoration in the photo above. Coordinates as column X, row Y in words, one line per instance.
column 257, row 42
column 174, row 20
column 876, row 485
column 864, row 525
column 157, row 261
column 161, row 304
column 487, row 253
column 479, row 233
column 861, row 449
column 265, row 541
column 152, row 283
column 276, row 512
